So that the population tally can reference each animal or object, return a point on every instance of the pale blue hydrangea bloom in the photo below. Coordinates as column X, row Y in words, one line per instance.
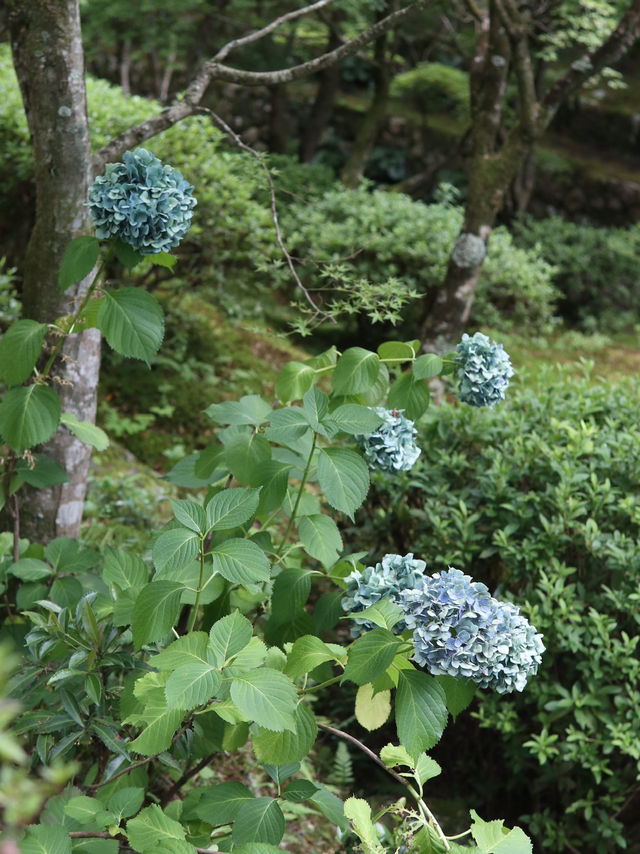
column 460, row 630
column 395, row 574
column 483, row 370
column 392, row 446
column 142, row 202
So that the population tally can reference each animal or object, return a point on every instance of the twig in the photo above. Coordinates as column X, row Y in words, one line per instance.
column 274, row 207
column 186, row 777
column 121, row 773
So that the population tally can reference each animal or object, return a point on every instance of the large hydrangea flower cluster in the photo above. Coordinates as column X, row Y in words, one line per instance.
column 392, row 446
column 392, row 577
column 142, row 202
column 483, row 370
column 459, row 629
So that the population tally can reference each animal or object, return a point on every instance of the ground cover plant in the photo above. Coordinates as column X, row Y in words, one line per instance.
column 133, row 679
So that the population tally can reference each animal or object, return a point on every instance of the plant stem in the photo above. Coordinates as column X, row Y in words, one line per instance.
column 305, row 475
column 322, row 684
column 194, row 611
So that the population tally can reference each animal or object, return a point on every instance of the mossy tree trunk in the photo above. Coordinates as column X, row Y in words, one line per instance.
column 47, row 53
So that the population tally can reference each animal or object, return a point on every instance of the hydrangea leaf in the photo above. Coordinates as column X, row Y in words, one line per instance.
column 355, row 419
column 87, row 432
column 344, row 479
column 358, row 812
column 126, row 254
column 243, row 453
column 427, row 366
column 229, row 635
column 29, row 416
column 231, row 508
column 356, row 371
column 267, row 697
column 46, row 839
column 421, row 713
column 192, row 684
column 20, row 347
column 492, row 837
column 175, row 548
column 410, row 395
column 321, row 538
column 155, row 611
column 259, row 820
column 79, row 259
column 293, row 381
column 370, row 656
column 287, row 746
column 41, row 471
column 240, row 561
column 372, row 711
column 220, row 804
column 396, row 352
column 132, row 321
column 250, row 409
column 153, row 829
column 458, row 692
column 300, row 790
column 307, row 653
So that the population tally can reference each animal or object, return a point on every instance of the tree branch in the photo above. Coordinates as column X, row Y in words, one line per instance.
column 187, row 103
column 518, row 34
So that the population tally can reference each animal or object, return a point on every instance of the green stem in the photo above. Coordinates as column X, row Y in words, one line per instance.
column 63, row 337
column 305, row 475
column 194, row 611
column 322, row 684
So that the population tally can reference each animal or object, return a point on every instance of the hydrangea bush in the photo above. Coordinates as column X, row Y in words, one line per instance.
column 392, row 447
column 482, row 369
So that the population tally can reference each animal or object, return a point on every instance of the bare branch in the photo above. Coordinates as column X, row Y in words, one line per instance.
column 517, row 31
column 258, row 34
column 186, row 104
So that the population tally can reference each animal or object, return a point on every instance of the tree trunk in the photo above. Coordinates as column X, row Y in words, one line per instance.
column 322, row 109
column 47, row 54
column 353, row 169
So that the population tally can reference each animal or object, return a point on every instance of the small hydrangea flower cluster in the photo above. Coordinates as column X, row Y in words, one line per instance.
column 392, row 446
column 483, row 370
column 459, row 629
column 142, row 202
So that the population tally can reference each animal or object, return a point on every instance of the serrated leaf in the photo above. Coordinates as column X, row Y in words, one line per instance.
column 231, row 508
column 85, row 431
column 152, row 830
column 188, row 648
column 330, row 806
column 458, row 693
column 46, row 839
column 370, row 656
column 492, row 837
column 240, row 561
column 293, row 381
column 321, row 538
column 79, row 259
column 175, row 548
column 220, row 804
column 190, row 514
column 41, row 471
column 83, row 809
column 385, row 613
column 163, row 259
column 355, row 419
column 259, row 820
column 300, row 790
column 291, row 590
column 124, row 569
column 426, row 768
column 160, row 722
column 127, row 255
column 243, row 453
column 20, row 347
column 30, row 569
column 267, row 697
column 126, row 802
column 372, row 711
column 307, row 653
column 358, row 812
column 410, row 395
column 427, row 366
column 155, row 611
column 396, row 352
column 287, row 426
column 229, row 635
column 250, row 409
column 29, row 416
column 396, row 754
column 273, row 478
column 421, row 713
column 344, row 479
column 375, row 395
column 356, row 371
column 192, row 684
column 132, row 321
column 287, row 746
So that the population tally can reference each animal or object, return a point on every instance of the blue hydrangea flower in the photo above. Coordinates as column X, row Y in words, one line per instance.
column 460, row 630
column 142, row 202
column 483, row 370
column 391, row 577
column 392, row 446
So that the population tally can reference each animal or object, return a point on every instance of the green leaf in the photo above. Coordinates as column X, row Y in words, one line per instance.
column 20, row 348
column 152, row 830
column 250, row 409
column 209, row 461
column 293, row 381
column 372, row 710
column 421, row 713
column 427, row 768
column 240, row 561
column 384, row 613
column 377, row 393
column 356, row 371
column 30, row 569
column 267, row 697
column 46, row 839
column 44, row 471
column 273, row 478
column 321, row 538
column 287, row 426
column 370, row 656
column 188, row 648
column 231, row 508
column 257, row 848
column 492, row 836
column 229, row 635
column 126, row 802
column 359, row 813
column 190, row 514
column 124, row 569
column 355, row 419
column 330, row 806
column 163, row 259
column 127, row 255
column 427, row 366
column 83, row 809
column 307, row 653
column 410, row 395
column 155, row 611
column 132, row 322
column 291, row 590
column 344, row 478
column 79, row 259
column 85, row 431
column 191, row 685
column 396, row 754
column 396, row 352
column 160, row 722
column 259, row 820
column 280, row 773
column 175, row 548
column 184, row 473
column 300, row 790
column 287, row 746
column 29, row 415
column 316, row 406
column 220, row 804
column 458, row 693
column 243, row 453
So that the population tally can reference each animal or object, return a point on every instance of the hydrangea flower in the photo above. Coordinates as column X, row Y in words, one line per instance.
column 391, row 577
column 483, row 370
column 460, row 630
column 142, row 202
column 392, row 446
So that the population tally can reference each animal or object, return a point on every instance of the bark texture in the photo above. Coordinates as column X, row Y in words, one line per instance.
column 47, row 53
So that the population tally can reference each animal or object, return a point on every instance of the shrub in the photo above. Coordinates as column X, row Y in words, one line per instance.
column 596, row 270
column 538, row 498
column 434, row 87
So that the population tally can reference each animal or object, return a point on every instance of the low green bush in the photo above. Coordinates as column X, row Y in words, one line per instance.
column 539, row 499
column 434, row 87
column 596, row 270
